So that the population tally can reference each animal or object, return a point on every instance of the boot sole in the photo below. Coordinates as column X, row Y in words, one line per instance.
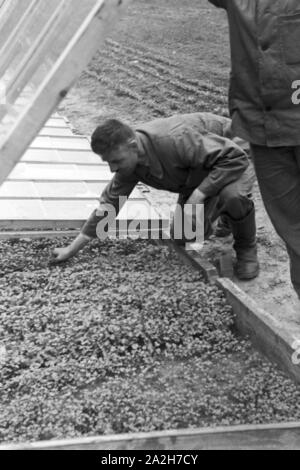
column 248, row 277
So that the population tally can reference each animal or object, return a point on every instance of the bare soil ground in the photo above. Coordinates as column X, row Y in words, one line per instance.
column 173, row 57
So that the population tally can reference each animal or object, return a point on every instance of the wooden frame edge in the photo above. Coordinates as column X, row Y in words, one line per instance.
column 273, row 436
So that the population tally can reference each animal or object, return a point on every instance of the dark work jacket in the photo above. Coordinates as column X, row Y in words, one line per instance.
column 178, row 154
column 265, row 77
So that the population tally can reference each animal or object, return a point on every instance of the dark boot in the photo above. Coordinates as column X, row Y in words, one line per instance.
column 223, row 228
column 244, row 234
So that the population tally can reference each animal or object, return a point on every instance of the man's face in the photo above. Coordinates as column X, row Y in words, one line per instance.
column 122, row 159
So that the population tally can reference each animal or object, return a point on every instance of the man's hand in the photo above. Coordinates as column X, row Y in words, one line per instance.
column 196, row 198
column 61, row 255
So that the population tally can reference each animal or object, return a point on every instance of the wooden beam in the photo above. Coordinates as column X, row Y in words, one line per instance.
column 262, row 437
column 38, row 234
column 17, row 228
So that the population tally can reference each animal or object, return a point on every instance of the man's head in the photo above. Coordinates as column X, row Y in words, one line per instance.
column 115, row 143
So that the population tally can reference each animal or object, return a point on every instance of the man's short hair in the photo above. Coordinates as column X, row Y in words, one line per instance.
column 110, row 135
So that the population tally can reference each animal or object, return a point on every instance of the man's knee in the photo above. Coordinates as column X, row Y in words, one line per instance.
column 233, row 203
column 229, row 193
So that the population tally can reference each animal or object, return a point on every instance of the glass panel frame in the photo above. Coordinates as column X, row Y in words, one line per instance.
column 18, row 133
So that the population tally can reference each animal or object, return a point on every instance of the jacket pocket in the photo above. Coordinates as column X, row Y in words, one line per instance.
column 290, row 38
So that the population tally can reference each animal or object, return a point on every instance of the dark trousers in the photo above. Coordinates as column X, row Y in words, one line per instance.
column 278, row 174
column 233, row 201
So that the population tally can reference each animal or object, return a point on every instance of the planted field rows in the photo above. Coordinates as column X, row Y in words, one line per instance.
column 165, row 66
column 122, row 339
column 154, row 81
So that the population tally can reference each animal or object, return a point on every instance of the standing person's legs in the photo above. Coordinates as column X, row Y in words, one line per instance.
column 278, row 174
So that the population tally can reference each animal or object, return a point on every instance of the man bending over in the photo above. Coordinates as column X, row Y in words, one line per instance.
column 185, row 154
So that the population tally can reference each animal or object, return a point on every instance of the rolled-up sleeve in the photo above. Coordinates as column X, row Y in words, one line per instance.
column 225, row 162
column 113, row 196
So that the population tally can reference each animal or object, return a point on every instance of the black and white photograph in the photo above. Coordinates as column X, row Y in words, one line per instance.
column 149, row 227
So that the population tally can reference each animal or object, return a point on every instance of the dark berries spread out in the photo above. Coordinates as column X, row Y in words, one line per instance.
column 123, row 338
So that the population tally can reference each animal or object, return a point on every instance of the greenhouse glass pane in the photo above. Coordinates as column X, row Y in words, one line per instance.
column 52, row 43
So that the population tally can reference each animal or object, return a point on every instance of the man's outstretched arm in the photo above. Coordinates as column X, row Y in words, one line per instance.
column 116, row 189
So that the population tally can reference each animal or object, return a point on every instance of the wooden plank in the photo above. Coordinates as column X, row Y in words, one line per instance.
column 56, row 121
column 67, row 138
column 77, row 157
column 260, row 437
column 56, row 190
column 11, row 225
column 62, row 233
column 56, row 132
column 68, row 209
column 11, row 229
column 38, row 234
column 61, row 143
column 13, row 189
column 63, row 172
column 67, row 68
